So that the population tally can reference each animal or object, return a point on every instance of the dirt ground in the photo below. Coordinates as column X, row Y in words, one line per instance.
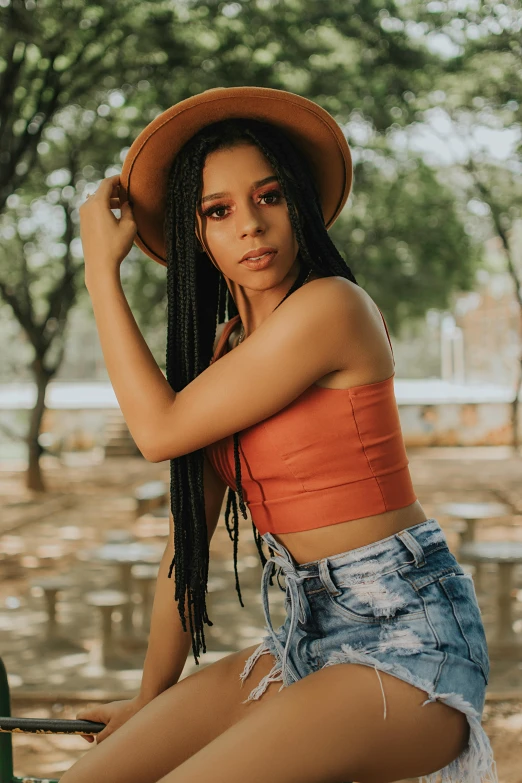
column 41, row 537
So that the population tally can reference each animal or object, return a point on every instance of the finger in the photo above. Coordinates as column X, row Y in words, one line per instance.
column 90, row 713
column 108, row 187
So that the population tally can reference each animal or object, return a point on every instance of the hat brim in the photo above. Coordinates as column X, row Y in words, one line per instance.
column 145, row 171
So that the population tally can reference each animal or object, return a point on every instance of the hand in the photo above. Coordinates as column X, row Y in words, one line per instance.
column 106, row 240
column 114, row 714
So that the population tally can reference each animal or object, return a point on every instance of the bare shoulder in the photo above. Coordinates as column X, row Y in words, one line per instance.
column 350, row 309
column 353, row 295
column 354, row 324
column 364, row 349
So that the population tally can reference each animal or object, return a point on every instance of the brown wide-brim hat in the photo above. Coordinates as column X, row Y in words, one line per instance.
column 313, row 130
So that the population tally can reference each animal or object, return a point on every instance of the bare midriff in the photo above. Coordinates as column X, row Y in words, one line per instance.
column 308, row 545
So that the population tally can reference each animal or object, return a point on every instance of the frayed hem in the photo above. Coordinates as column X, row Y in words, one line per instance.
column 476, row 763
column 274, row 675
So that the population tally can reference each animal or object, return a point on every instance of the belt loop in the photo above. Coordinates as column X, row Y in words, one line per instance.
column 413, row 546
column 326, row 579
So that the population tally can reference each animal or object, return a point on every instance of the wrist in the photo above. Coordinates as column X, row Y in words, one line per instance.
column 148, row 692
column 144, row 697
column 140, row 700
column 95, row 281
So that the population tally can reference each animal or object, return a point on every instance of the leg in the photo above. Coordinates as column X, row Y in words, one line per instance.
column 175, row 725
column 329, row 728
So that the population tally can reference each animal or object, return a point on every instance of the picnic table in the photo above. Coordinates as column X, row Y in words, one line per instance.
column 150, row 495
column 467, row 515
column 471, row 513
column 506, row 555
column 124, row 556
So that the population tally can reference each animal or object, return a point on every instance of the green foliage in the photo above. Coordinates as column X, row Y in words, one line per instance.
column 404, row 240
column 79, row 80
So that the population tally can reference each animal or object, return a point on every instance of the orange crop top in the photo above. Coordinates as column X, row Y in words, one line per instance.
column 330, row 456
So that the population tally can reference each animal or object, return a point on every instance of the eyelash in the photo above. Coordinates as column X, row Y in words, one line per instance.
column 209, row 212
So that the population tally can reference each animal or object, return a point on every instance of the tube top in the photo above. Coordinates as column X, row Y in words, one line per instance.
column 330, row 456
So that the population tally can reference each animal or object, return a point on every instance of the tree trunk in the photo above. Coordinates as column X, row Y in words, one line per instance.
column 515, row 409
column 34, row 478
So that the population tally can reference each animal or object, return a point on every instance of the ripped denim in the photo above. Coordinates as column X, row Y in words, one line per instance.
column 402, row 605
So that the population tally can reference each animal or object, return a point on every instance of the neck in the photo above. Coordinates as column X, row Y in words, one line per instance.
column 303, row 277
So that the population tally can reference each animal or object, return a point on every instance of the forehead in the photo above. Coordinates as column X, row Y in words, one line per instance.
column 241, row 162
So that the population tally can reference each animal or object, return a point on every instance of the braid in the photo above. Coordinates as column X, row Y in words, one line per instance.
column 198, row 300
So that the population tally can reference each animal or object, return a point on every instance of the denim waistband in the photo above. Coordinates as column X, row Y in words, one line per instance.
column 386, row 554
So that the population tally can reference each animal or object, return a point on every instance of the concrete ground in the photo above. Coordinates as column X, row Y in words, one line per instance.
column 40, row 537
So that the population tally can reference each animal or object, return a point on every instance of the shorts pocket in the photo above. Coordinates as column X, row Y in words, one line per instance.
column 460, row 591
column 386, row 598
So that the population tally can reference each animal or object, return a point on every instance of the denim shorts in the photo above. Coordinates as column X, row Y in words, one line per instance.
column 402, row 605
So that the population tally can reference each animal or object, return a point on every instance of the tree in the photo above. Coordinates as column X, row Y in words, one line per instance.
column 480, row 89
column 80, row 80
column 40, row 303
column 54, row 58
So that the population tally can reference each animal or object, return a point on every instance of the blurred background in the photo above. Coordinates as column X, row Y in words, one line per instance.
column 429, row 96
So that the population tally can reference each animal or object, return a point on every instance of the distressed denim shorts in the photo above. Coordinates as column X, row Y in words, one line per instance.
column 402, row 605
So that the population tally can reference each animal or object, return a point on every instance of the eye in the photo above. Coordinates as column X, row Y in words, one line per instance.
column 273, row 194
column 211, row 212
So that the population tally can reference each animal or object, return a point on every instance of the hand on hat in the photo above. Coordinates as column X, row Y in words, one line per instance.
column 106, row 240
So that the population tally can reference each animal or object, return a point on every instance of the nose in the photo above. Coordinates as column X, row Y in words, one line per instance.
column 249, row 220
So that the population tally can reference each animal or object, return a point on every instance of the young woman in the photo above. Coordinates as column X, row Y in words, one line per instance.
column 379, row 671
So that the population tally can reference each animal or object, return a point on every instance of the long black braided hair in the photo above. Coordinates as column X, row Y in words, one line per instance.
column 198, row 300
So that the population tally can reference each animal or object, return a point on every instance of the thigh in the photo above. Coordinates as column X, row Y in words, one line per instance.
column 175, row 725
column 329, row 727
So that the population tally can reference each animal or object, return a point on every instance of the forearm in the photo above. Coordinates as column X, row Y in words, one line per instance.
column 142, row 391
column 169, row 644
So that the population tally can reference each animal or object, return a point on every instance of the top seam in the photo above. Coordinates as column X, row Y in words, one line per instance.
column 282, row 458
column 366, row 455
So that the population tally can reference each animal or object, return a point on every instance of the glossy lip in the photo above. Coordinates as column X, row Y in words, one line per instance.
column 263, row 263
column 258, row 251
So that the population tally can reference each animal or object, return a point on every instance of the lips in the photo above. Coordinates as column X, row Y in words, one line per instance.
column 259, row 251
column 261, row 263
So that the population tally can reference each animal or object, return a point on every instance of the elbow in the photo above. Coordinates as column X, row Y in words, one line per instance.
column 156, row 452
column 157, row 447
column 151, row 453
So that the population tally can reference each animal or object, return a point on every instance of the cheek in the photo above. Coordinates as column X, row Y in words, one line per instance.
column 219, row 242
column 218, row 237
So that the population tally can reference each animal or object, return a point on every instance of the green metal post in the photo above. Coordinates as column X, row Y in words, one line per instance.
column 6, row 740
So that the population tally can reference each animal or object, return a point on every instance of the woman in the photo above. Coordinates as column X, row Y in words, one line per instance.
column 290, row 401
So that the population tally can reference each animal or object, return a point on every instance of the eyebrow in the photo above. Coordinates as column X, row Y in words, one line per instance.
column 255, row 185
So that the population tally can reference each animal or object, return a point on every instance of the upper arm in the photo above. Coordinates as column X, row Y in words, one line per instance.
column 214, row 490
column 301, row 341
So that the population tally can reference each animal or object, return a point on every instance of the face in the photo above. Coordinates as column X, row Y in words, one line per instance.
column 242, row 208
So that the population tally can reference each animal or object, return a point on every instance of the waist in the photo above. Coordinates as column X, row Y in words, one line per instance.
column 309, row 545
